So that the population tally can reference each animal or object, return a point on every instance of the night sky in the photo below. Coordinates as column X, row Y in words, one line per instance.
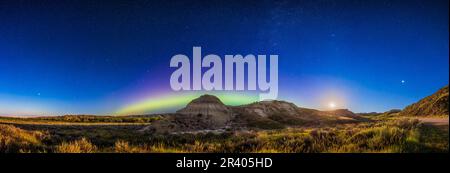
column 98, row 57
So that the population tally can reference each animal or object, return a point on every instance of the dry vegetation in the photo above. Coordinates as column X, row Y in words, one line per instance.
column 274, row 126
column 399, row 135
column 14, row 140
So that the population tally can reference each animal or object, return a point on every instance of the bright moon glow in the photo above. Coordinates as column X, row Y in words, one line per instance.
column 331, row 105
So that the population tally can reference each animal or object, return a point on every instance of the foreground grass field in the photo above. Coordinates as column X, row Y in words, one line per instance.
column 404, row 135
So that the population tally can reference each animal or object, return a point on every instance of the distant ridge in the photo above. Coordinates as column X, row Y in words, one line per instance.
column 435, row 104
column 209, row 113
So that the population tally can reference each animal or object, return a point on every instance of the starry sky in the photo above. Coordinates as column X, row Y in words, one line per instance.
column 103, row 57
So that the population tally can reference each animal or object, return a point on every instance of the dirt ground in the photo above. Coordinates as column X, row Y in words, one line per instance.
column 435, row 121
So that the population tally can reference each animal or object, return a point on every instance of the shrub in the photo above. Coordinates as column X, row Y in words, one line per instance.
column 406, row 123
column 124, row 147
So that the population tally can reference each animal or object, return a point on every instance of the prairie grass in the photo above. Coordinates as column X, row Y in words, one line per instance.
column 78, row 146
column 16, row 140
column 387, row 136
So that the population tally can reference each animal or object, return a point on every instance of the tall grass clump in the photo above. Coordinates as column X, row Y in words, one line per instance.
column 16, row 140
column 78, row 146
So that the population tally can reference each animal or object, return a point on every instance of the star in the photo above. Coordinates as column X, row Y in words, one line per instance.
column 38, row 94
column 403, row 81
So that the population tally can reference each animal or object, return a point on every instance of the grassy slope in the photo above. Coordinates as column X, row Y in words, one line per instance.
column 435, row 104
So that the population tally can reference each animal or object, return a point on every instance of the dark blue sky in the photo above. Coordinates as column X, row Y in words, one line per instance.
column 94, row 57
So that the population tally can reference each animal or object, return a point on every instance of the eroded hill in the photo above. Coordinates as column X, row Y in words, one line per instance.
column 209, row 113
column 433, row 105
